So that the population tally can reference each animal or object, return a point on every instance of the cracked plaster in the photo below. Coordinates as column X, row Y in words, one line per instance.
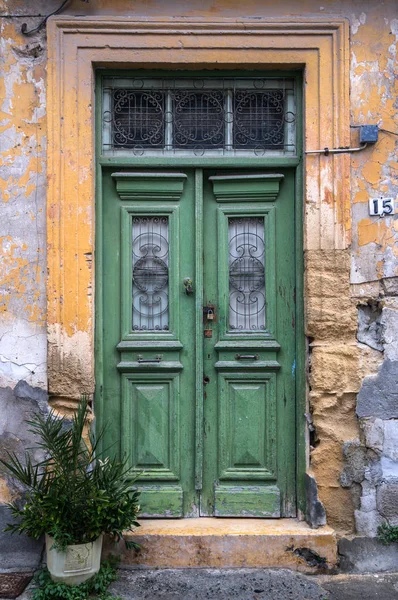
column 22, row 225
column 374, row 86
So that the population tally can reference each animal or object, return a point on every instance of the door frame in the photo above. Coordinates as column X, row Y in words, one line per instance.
column 200, row 164
column 76, row 47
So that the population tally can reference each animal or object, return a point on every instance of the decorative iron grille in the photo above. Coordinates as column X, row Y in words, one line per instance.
column 246, row 273
column 150, row 277
column 199, row 116
column 198, row 119
column 137, row 118
column 259, row 119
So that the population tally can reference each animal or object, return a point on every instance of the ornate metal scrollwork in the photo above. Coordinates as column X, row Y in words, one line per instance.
column 199, row 115
column 246, row 274
column 138, row 118
column 259, row 119
column 198, row 119
column 150, row 274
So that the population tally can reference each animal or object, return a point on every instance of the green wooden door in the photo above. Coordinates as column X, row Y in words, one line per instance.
column 198, row 338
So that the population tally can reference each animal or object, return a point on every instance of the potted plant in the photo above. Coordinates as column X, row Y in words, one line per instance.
column 71, row 496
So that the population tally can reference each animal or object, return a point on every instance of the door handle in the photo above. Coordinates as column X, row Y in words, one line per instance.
column 247, row 356
column 157, row 359
column 188, row 286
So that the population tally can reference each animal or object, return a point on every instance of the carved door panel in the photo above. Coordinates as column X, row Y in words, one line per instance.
column 198, row 339
column 149, row 363
column 249, row 467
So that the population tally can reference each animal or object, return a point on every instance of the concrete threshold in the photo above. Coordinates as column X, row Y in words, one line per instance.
column 231, row 543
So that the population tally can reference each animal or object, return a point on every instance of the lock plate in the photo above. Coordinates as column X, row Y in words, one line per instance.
column 209, row 313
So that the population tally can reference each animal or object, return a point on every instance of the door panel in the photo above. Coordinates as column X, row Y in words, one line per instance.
column 149, row 368
column 249, row 403
column 247, row 426
column 151, row 424
column 198, row 338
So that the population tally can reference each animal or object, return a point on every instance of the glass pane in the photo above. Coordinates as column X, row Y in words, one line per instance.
column 150, row 273
column 259, row 119
column 198, row 119
column 138, row 118
column 246, row 273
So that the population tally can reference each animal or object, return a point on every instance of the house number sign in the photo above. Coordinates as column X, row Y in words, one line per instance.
column 381, row 206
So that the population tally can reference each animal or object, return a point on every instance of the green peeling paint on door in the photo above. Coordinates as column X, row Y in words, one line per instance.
column 198, row 337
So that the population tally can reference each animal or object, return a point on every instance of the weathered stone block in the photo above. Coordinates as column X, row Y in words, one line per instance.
column 355, row 462
column 387, row 501
column 338, row 503
column 326, row 428
column 17, row 552
column 335, row 368
column 373, row 430
column 378, row 396
column 326, row 321
column 391, row 302
column 327, row 273
column 16, row 407
column 370, row 360
column 329, row 409
column 366, row 523
column 367, row 555
column 368, row 502
column 327, row 463
column 356, row 492
column 315, row 515
column 331, row 406
column 70, row 371
column 373, row 472
column 389, row 469
column 390, row 446
column 389, row 323
column 390, row 286
column 369, row 326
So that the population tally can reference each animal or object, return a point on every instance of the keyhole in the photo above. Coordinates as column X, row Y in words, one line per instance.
column 206, row 380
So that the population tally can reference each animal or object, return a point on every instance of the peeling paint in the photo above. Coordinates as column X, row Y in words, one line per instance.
column 339, row 363
column 23, row 353
column 70, row 372
column 357, row 22
column 374, row 88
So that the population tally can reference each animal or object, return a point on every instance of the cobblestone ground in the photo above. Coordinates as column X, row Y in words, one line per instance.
column 249, row 584
column 236, row 584
column 383, row 586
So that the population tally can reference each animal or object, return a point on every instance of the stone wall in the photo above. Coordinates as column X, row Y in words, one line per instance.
column 351, row 314
column 371, row 461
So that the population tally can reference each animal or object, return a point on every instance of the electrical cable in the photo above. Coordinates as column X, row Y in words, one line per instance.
column 388, row 131
column 19, row 16
column 379, row 128
column 44, row 21
column 24, row 26
column 327, row 151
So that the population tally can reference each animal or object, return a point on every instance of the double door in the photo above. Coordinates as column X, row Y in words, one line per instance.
column 197, row 338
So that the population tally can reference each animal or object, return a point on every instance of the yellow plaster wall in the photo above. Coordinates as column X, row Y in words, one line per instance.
column 22, row 208
column 362, row 251
column 373, row 87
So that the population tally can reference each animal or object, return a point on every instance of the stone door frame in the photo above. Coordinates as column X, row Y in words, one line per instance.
column 79, row 45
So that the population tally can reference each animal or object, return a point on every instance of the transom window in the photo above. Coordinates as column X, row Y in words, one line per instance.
column 238, row 116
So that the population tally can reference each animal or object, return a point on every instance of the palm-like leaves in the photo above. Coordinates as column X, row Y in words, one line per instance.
column 71, row 495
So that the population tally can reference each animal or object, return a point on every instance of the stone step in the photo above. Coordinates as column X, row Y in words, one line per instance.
column 223, row 543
